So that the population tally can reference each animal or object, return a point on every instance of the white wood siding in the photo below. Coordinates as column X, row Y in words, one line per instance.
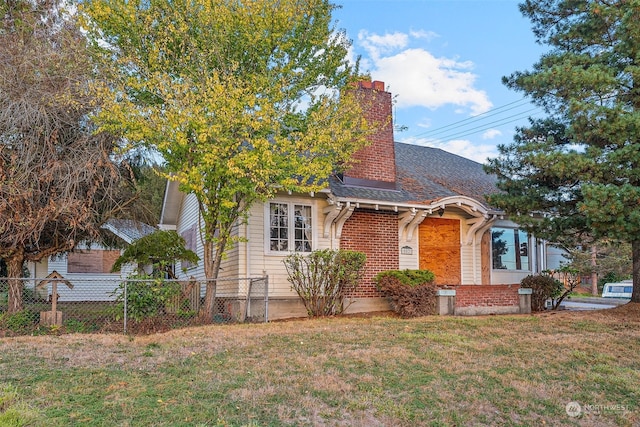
column 409, row 262
column 250, row 257
column 470, row 258
column 188, row 218
column 258, row 261
column 86, row 286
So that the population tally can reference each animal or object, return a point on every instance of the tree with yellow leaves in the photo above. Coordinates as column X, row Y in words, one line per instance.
column 241, row 98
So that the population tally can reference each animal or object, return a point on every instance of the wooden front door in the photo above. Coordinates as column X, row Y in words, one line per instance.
column 440, row 249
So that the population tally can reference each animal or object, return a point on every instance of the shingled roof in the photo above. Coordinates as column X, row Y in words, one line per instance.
column 426, row 174
column 127, row 229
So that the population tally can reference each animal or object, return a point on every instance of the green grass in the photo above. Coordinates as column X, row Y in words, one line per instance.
column 432, row 371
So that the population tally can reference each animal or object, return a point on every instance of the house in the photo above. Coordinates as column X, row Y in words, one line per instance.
column 88, row 267
column 405, row 206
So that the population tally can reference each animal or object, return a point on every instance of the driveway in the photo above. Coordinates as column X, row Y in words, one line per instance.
column 591, row 303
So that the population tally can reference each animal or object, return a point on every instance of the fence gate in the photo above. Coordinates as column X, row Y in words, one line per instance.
column 258, row 300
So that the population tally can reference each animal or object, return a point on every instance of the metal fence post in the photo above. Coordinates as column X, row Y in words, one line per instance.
column 266, row 299
column 247, row 311
column 126, row 298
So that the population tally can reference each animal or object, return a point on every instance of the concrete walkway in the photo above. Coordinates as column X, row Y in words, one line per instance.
column 591, row 303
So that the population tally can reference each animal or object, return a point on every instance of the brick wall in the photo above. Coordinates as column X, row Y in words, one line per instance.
column 376, row 162
column 486, row 295
column 376, row 234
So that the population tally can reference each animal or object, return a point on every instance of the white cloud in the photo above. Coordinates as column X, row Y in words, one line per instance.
column 377, row 45
column 422, row 34
column 461, row 147
column 491, row 133
column 418, row 78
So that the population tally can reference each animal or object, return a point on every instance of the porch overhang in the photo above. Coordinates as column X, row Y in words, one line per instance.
column 410, row 215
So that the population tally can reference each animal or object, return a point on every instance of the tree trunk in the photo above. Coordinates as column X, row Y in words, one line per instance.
column 594, row 272
column 635, row 250
column 212, row 261
column 14, row 271
column 213, row 253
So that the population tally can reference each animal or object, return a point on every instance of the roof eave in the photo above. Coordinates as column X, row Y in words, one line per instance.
column 470, row 205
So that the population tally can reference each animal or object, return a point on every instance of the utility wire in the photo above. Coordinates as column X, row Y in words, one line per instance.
column 495, row 111
column 484, row 127
column 480, row 122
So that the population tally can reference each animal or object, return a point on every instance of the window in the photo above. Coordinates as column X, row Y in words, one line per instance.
column 189, row 235
column 509, row 249
column 91, row 261
column 621, row 289
column 290, row 227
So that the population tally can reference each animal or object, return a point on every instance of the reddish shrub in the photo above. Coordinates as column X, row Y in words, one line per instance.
column 411, row 293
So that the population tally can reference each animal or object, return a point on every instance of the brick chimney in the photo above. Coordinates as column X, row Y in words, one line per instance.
column 376, row 164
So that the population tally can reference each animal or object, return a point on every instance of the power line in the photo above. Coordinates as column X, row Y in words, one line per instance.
column 480, row 122
column 486, row 126
column 479, row 117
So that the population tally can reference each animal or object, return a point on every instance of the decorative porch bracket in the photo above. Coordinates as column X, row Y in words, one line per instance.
column 415, row 222
column 331, row 212
column 476, row 224
column 403, row 220
column 337, row 214
column 343, row 217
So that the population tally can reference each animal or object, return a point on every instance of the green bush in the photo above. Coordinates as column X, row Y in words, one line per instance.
column 145, row 296
column 611, row 277
column 411, row 293
column 323, row 278
column 161, row 249
column 77, row 326
column 544, row 287
column 20, row 321
column 408, row 277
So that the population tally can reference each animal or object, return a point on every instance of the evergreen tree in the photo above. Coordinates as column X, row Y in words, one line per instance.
column 580, row 167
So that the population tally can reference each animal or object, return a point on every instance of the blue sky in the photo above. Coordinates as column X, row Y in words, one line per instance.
column 443, row 60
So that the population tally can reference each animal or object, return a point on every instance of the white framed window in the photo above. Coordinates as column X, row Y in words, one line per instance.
column 189, row 235
column 510, row 249
column 290, row 227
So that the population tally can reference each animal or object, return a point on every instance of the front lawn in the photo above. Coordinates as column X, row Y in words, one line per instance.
column 350, row 371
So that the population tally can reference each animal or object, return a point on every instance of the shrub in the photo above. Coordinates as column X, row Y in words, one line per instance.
column 77, row 326
column 145, row 296
column 323, row 278
column 544, row 287
column 411, row 293
column 161, row 249
column 611, row 277
column 19, row 322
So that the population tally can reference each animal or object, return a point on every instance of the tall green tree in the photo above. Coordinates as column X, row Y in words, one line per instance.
column 580, row 167
column 59, row 180
column 241, row 98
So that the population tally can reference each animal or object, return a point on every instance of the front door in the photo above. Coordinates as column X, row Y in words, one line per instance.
column 440, row 249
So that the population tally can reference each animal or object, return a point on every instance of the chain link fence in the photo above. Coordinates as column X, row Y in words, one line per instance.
column 82, row 305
